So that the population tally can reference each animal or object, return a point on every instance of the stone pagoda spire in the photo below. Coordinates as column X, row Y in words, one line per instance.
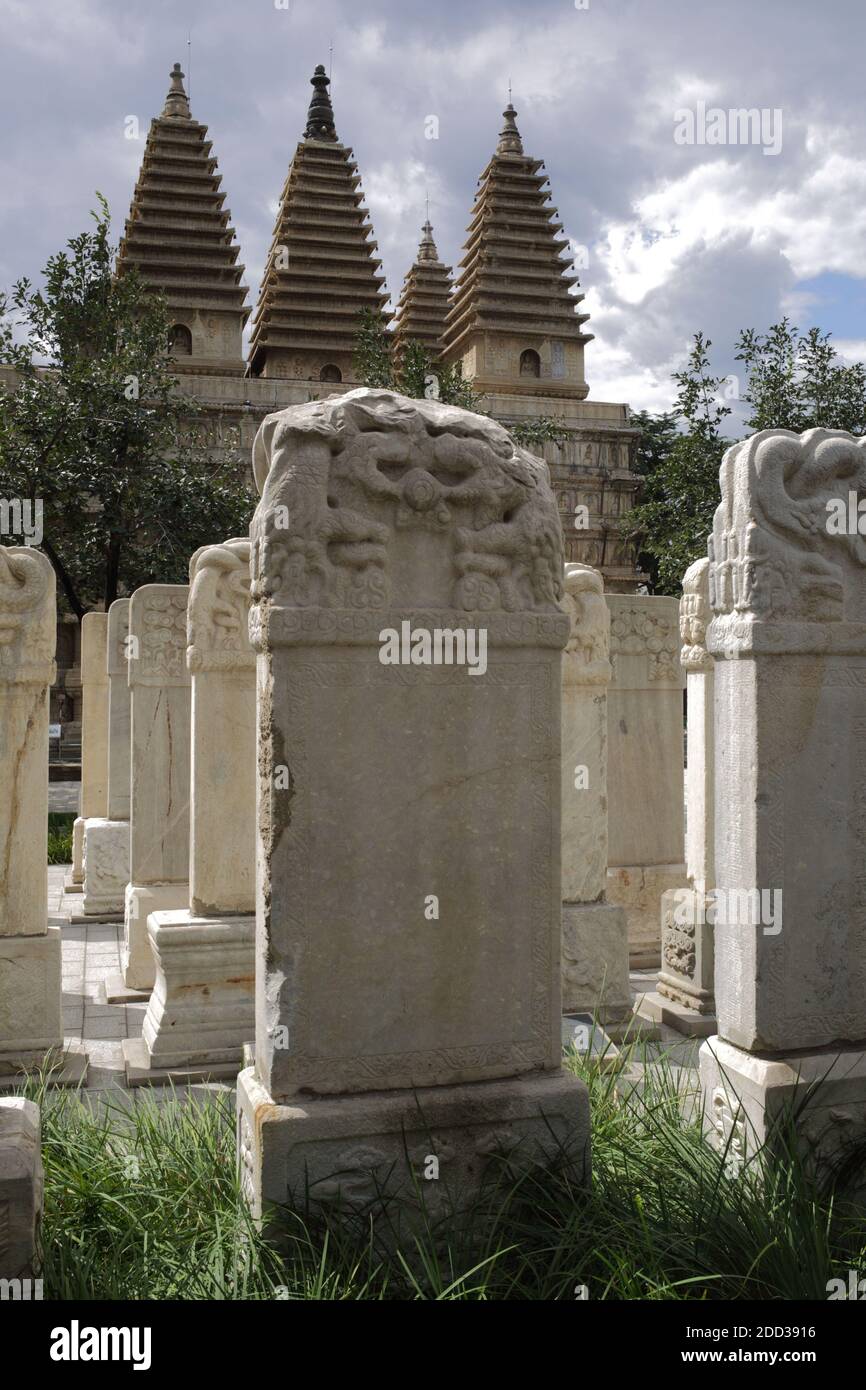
column 321, row 269
column 179, row 238
column 423, row 306
column 513, row 322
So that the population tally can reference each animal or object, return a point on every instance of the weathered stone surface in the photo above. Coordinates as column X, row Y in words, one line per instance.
column 686, row 975
column 202, row 1007
column 585, row 675
column 645, row 732
column 639, row 891
column 222, row 666
column 788, row 636
column 119, row 702
column 595, row 965
column 27, row 634
column 107, row 853
column 94, row 706
column 343, row 1150
column 21, row 1186
column 595, row 977
column 426, row 951
column 30, row 1019
column 106, row 866
column 160, row 769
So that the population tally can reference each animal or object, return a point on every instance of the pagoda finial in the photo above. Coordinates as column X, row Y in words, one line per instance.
column 177, row 102
column 320, row 117
column 427, row 247
column 509, row 135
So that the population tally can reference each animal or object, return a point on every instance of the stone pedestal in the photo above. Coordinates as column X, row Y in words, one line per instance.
column 789, row 641
column 30, row 1016
column 595, row 972
column 108, row 849
column 645, row 765
column 159, row 770
column 202, row 1008
column 684, row 997
column 21, row 1187
column 409, row 883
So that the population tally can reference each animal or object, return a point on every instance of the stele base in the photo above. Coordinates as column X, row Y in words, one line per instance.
column 202, row 1009
column 433, row 1145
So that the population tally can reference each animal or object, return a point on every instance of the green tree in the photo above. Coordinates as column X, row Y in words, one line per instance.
column 91, row 427
column 675, row 515
column 796, row 382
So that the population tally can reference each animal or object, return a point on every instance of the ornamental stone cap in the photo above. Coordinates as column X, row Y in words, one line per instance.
column 320, row 116
column 374, row 502
column 177, row 102
column 157, row 622
column 787, row 567
column 695, row 615
column 218, row 609
column 118, row 631
column 27, row 617
column 587, row 650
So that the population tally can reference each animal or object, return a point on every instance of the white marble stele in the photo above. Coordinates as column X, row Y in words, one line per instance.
column 595, row 971
column 159, row 770
column 94, row 738
column 106, row 857
column 684, row 996
column 21, row 1187
column 201, row 1011
column 408, row 1001
column 646, row 854
column 30, row 1000
column 788, row 638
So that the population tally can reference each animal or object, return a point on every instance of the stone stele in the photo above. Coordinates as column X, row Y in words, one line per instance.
column 645, row 765
column 107, row 838
column 30, row 1001
column 788, row 636
column 408, row 883
column 21, row 1186
column 684, row 997
column 595, row 977
column 159, row 770
column 201, row 1011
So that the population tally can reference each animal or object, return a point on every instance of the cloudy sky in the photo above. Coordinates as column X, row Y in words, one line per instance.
column 679, row 237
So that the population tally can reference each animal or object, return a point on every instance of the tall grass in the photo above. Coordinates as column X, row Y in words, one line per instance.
column 142, row 1202
column 60, row 837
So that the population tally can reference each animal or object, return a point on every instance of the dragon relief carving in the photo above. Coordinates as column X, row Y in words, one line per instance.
column 218, row 609
column 771, row 553
column 695, row 615
column 589, row 636
column 340, row 480
column 27, row 615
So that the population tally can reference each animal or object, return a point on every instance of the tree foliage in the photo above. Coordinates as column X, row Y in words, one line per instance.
column 91, row 425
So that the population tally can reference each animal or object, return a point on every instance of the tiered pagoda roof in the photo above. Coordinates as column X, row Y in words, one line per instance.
column 513, row 277
column 424, row 300
column 321, row 269
column 178, row 233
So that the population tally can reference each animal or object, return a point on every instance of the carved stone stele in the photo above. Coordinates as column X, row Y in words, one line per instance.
column 201, row 1011
column 409, row 890
column 30, row 1018
column 159, row 771
column 595, row 975
column 21, row 1187
column 788, row 636
column 223, row 783
column 645, row 764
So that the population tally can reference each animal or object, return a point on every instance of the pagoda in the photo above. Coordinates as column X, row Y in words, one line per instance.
column 424, row 301
column 321, row 270
column 179, row 239
column 513, row 321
